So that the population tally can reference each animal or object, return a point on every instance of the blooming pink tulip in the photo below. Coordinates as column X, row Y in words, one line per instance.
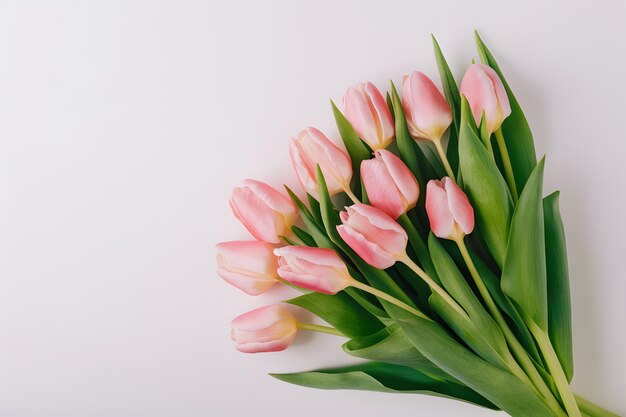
column 389, row 183
column 427, row 112
column 267, row 329
column 316, row 269
column 373, row 235
column 449, row 211
column 248, row 265
column 484, row 91
column 312, row 148
column 366, row 110
column 263, row 210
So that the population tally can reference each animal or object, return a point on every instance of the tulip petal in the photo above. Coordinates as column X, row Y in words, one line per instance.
column 460, row 207
column 439, row 214
column 266, row 329
column 381, row 190
column 368, row 251
column 402, row 177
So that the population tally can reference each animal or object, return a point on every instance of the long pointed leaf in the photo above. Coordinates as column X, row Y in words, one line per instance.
column 559, row 304
column 383, row 377
column 524, row 274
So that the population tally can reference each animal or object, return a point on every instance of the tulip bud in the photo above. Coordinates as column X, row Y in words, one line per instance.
column 366, row 110
column 316, row 269
column 484, row 92
column 263, row 210
column 373, row 235
column 427, row 112
column 390, row 185
column 449, row 211
column 312, row 148
column 267, row 329
column 248, row 265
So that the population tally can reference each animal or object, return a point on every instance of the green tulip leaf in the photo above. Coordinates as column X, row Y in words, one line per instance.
column 341, row 311
column 559, row 304
column 495, row 384
column 451, row 91
column 524, row 274
column 383, row 377
column 487, row 190
column 517, row 134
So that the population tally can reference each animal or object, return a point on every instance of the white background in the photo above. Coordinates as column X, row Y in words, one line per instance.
column 125, row 124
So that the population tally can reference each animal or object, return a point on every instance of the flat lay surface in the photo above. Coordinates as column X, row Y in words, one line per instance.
column 125, row 125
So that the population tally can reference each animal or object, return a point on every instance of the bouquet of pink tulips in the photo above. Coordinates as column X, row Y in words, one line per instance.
column 447, row 272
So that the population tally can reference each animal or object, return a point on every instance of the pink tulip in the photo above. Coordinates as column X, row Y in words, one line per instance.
column 389, row 183
column 248, row 265
column 484, row 91
column 316, row 269
column 263, row 210
column 449, row 211
column 427, row 112
column 312, row 148
column 267, row 329
column 373, row 235
column 366, row 110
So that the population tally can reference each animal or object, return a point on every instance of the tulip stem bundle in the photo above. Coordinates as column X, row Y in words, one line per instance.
column 518, row 350
column 490, row 327
column 506, row 162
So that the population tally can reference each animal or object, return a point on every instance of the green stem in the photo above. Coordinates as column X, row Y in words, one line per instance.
column 350, row 194
column 319, row 328
column 554, row 366
column 593, row 410
column 389, row 298
column 432, row 284
column 516, row 347
column 508, row 168
column 444, row 159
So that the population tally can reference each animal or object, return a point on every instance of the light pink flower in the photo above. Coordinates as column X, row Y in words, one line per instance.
column 427, row 112
column 267, row 329
column 484, row 91
column 389, row 183
column 367, row 111
column 263, row 210
column 312, row 148
column 449, row 211
column 316, row 269
column 373, row 235
column 248, row 265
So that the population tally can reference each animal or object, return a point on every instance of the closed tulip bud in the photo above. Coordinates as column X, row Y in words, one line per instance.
column 390, row 185
column 312, row 148
column 484, row 92
column 316, row 269
column 373, row 235
column 248, row 265
column 367, row 111
column 427, row 112
column 263, row 210
column 267, row 329
column 449, row 211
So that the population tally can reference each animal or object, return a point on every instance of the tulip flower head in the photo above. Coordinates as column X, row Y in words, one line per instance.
column 485, row 92
column 373, row 235
column 317, row 269
column 263, row 210
column 267, row 329
column 449, row 211
column 367, row 111
column 312, row 148
column 427, row 112
column 248, row 265
column 389, row 183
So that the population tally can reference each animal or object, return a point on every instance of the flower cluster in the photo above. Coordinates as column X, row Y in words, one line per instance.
column 418, row 169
